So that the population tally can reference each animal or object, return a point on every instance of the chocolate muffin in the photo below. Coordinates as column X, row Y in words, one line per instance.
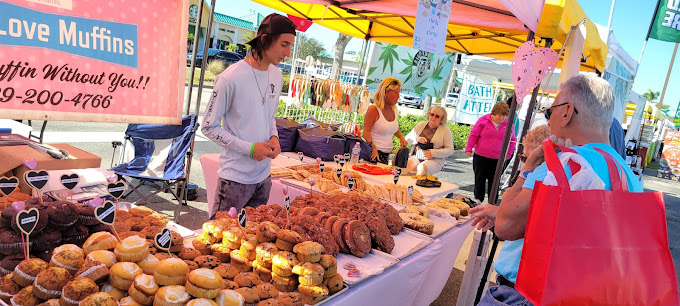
column 10, row 242
column 35, row 200
column 62, row 214
column 8, row 263
column 7, row 215
column 86, row 214
column 100, row 228
column 76, row 234
column 47, row 240
column 44, row 255
column 42, row 220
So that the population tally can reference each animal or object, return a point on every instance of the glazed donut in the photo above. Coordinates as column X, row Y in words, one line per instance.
column 358, row 238
column 418, row 223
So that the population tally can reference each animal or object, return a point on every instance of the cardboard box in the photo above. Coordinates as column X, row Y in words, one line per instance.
column 13, row 158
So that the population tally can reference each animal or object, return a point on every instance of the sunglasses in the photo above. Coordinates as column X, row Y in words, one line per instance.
column 548, row 111
column 435, row 115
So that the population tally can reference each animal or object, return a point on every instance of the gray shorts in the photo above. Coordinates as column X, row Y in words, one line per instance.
column 232, row 194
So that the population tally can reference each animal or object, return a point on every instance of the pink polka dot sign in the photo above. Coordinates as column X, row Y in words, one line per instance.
column 529, row 66
column 87, row 60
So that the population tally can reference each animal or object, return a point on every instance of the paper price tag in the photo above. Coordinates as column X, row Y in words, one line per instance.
column 301, row 156
column 242, row 218
column 410, row 190
column 350, row 183
column 286, row 202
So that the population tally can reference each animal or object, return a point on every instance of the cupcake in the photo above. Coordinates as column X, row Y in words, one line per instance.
column 77, row 290
column 70, row 260
column 247, row 249
column 10, row 242
column 48, row 283
column 132, row 249
column 284, row 283
column 264, row 253
column 329, row 264
column 283, row 262
column 291, row 299
column 123, row 273
column 99, row 299
column 247, row 279
column 65, row 247
column 9, row 263
column 148, row 264
column 250, row 297
column 310, row 274
column 203, row 283
column 287, row 239
column 239, row 262
column 94, row 270
column 8, row 287
column 62, row 214
column 226, row 271
column 202, row 244
column 266, row 232
column 174, row 295
column 207, row 261
column 229, row 297
column 221, row 251
column 232, row 238
column 176, row 242
column 171, row 271
column 47, row 240
column 266, row 291
column 143, row 289
column 188, row 253
column 201, row 302
column 86, row 214
column 128, row 301
column 105, row 257
column 309, row 251
column 25, row 297
column 27, row 270
column 113, row 291
column 100, row 241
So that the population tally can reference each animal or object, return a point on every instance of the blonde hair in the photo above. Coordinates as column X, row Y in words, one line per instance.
column 536, row 136
column 500, row 108
column 379, row 95
column 442, row 113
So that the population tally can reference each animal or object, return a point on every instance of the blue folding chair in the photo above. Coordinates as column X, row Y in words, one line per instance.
column 160, row 152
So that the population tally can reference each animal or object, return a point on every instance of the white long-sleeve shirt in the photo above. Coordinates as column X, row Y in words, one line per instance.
column 236, row 117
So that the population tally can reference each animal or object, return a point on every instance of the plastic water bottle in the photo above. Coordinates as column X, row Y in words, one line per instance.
column 356, row 151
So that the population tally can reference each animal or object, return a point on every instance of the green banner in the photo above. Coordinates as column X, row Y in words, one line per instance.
column 666, row 24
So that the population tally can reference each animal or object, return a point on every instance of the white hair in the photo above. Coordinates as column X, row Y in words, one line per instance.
column 592, row 97
column 442, row 113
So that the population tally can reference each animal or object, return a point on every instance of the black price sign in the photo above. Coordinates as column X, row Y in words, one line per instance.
column 70, row 181
column 106, row 213
column 37, row 179
column 410, row 190
column 116, row 189
column 27, row 220
column 163, row 240
column 321, row 167
column 350, row 183
column 286, row 201
column 346, row 157
column 301, row 156
column 338, row 172
column 242, row 218
column 8, row 184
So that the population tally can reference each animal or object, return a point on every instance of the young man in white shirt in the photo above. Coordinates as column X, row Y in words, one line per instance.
column 240, row 117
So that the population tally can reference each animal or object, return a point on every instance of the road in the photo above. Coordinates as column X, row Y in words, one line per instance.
column 96, row 138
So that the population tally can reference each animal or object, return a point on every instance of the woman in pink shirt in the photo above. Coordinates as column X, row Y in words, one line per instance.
column 486, row 138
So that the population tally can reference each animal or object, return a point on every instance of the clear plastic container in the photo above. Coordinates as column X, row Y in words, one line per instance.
column 356, row 151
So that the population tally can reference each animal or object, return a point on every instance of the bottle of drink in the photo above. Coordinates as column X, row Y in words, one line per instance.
column 356, row 151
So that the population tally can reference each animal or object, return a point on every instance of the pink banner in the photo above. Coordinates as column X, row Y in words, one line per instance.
column 87, row 60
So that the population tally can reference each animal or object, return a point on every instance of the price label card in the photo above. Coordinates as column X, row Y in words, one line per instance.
column 286, row 201
column 350, row 183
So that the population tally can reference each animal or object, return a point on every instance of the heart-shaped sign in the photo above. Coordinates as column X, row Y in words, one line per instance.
column 338, row 172
column 242, row 218
column 286, row 201
column 27, row 220
column 342, row 162
column 529, row 66
column 410, row 190
column 163, row 240
column 31, row 164
column 398, row 171
column 106, row 213
column 116, row 189
column 8, row 184
column 70, row 181
column 37, row 179
column 396, row 179
column 346, row 157
column 335, row 158
column 312, row 181
column 350, row 183
column 301, row 156
column 321, row 167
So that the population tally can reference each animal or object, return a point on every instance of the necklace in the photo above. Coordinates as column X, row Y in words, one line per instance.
column 258, row 83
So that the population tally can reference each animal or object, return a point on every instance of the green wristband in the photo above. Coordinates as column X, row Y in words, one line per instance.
column 252, row 149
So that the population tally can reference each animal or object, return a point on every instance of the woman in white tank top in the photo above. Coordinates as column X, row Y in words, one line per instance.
column 380, row 123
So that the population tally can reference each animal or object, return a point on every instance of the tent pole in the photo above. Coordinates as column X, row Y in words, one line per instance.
column 363, row 56
column 197, row 35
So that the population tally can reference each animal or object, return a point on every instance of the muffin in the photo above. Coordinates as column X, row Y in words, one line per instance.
column 48, row 283
column 171, row 271
column 66, row 247
column 99, row 299
column 128, row 301
column 140, row 211
column 312, row 300
column 100, row 241
column 285, row 283
column 105, row 257
column 226, row 271
column 221, row 251
column 214, row 228
column 262, row 272
column 283, row 262
column 27, row 270
column 287, row 239
column 310, row 274
column 86, row 214
column 320, row 292
column 250, row 297
column 334, row 284
column 94, row 270
column 164, row 255
column 151, row 231
column 201, row 302
column 329, row 264
column 251, row 227
column 291, row 299
column 188, row 253
column 75, row 234
column 174, row 295
column 203, row 283
column 51, row 302
column 176, row 242
column 202, row 244
column 143, row 289
column 265, row 252
column 229, row 297
column 77, row 290
column 113, row 291
column 123, row 273
column 247, row 249
column 148, row 264
column 132, row 249
column 8, row 287
column 8, row 214
column 309, row 251
column 270, row 302
column 192, row 265
column 247, row 279
column 239, row 262
column 207, row 261
column 228, row 284
column 10, row 242
column 44, row 255
column 266, row 232
column 47, row 240
column 126, row 234
column 25, row 297
column 137, row 223
column 266, row 291
column 62, row 214
column 9, row 263
column 232, row 238
column 70, row 260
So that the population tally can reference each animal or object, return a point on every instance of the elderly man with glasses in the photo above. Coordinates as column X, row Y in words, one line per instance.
column 580, row 116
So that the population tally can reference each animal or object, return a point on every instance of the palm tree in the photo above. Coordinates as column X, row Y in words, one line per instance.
column 651, row 95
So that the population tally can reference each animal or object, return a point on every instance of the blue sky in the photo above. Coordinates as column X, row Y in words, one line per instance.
column 630, row 23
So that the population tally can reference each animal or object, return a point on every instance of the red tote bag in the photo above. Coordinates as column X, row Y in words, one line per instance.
column 595, row 247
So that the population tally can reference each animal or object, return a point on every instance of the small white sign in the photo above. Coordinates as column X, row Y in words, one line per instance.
column 432, row 20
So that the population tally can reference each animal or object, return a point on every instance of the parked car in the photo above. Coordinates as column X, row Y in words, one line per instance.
column 227, row 57
column 451, row 100
column 410, row 99
column 285, row 67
